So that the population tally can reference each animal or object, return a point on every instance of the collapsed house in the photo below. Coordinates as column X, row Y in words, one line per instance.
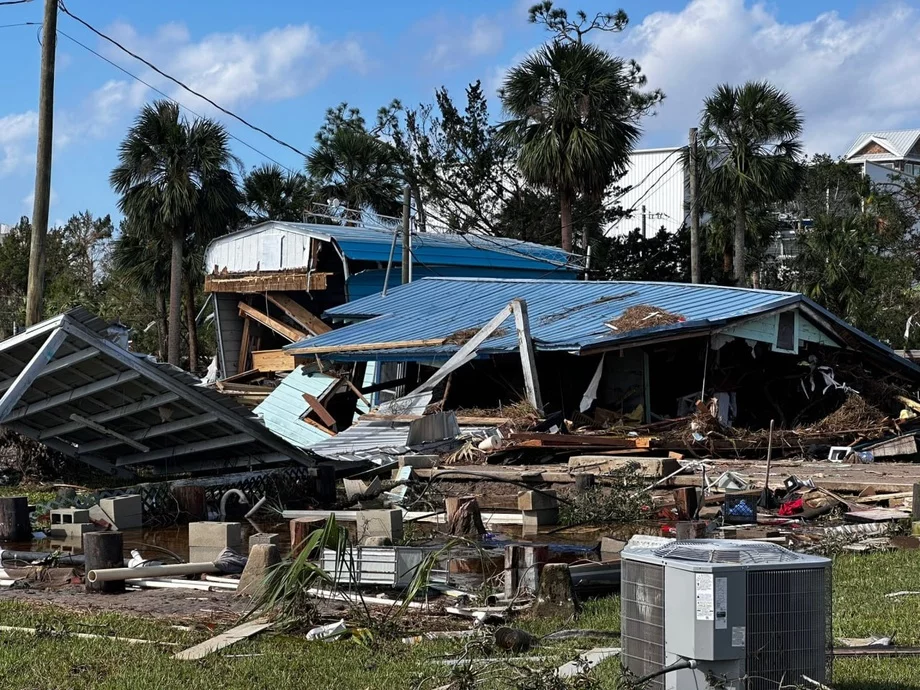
column 271, row 283
column 612, row 354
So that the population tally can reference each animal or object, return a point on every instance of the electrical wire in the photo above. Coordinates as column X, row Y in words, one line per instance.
column 14, row 2
column 177, row 81
column 9, row 26
column 168, row 97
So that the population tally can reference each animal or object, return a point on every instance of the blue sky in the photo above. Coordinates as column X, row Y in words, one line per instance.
column 852, row 65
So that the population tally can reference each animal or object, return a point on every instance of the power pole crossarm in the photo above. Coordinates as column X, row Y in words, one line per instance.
column 36, row 288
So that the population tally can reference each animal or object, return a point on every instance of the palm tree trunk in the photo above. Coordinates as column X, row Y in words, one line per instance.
column 162, row 328
column 175, row 300
column 566, row 200
column 738, row 273
column 190, row 325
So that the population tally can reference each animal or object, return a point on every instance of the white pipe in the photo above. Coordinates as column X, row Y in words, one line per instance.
column 255, row 508
column 223, row 580
column 113, row 574
column 149, row 583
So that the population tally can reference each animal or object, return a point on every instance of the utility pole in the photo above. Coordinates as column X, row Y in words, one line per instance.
column 36, row 288
column 644, row 233
column 406, row 256
column 695, row 272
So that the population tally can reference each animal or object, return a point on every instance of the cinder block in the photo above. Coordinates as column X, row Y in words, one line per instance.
column 221, row 535
column 263, row 538
column 69, row 516
column 72, row 530
column 611, row 546
column 537, row 500
column 540, row 518
column 204, row 554
column 380, row 523
column 419, row 462
column 125, row 512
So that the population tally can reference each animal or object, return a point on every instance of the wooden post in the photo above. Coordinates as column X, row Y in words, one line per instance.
column 466, row 521
column 695, row 270
column 584, row 482
column 452, row 505
column 192, row 503
column 36, row 288
column 104, row 550
column 14, row 519
column 528, row 361
column 300, row 530
column 685, row 499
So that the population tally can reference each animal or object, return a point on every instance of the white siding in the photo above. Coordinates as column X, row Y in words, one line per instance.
column 263, row 249
column 658, row 182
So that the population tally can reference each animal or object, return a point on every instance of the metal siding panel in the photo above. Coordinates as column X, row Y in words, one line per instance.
column 656, row 184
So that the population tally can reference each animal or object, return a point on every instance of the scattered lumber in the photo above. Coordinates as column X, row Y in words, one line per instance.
column 299, row 314
column 232, row 636
column 271, row 323
column 269, row 361
column 543, row 440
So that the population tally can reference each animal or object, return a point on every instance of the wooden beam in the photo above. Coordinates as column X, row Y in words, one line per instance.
column 117, row 413
column 363, row 347
column 377, row 387
column 232, row 636
column 152, row 432
column 275, row 325
column 298, row 313
column 317, row 425
column 528, row 360
column 267, row 361
column 188, row 448
column 58, row 364
column 244, row 347
column 32, row 370
column 96, row 426
column 241, row 283
column 357, row 391
column 320, row 409
column 75, row 394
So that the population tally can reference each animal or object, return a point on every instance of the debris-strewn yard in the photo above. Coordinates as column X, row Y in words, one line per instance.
column 51, row 662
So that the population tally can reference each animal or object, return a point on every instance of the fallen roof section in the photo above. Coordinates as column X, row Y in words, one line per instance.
column 424, row 320
column 66, row 385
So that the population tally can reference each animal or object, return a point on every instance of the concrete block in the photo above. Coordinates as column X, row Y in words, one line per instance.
column 217, row 534
column 380, row 523
column 652, row 468
column 204, row 554
column 537, row 500
column 125, row 512
column 72, row 530
column 420, row 462
column 261, row 559
column 263, row 538
column 611, row 546
column 540, row 518
column 69, row 516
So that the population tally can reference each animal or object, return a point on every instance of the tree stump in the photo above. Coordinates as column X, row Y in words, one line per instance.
column 14, row 519
column 556, row 597
column 104, row 550
column 467, row 521
column 192, row 502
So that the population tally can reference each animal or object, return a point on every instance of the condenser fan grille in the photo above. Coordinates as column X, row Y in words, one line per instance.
column 720, row 551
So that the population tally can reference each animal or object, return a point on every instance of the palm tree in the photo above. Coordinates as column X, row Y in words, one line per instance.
column 273, row 194
column 349, row 164
column 175, row 182
column 571, row 115
column 749, row 153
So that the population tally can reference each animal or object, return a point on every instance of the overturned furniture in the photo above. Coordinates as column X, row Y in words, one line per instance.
column 65, row 384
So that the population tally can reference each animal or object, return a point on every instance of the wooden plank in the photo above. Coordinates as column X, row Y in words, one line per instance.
column 879, row 498
column 177, row 451
column 232, row 636
column 96, row 426
column 244, row 347
column 259, row 283
column 317, row 407
column 267, row 361
column 117, row 413
column 298, row 313
column 363, row 347
column 72, row 395
column 462, row 421
column 566, row 440
column 153, row 432
column 317, row 425
column 281, row 329
column 528, row 359
column 32, row 371
column 85, row 636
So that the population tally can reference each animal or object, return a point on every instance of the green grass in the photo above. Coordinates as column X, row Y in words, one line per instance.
column 59, row 663
column 35, row 493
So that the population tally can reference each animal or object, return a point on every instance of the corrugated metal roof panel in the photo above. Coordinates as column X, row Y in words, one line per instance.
column 564, row 315
column 898, row 141
column 284, row 407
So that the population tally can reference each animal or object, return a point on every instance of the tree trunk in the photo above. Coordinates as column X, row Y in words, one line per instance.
column 566, row 201
column 190, row 325
column 738, row 273
column 175, row 300
column 421, row 217
column 727, row 258
column 162, row 326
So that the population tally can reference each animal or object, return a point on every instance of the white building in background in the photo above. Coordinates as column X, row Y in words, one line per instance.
column 657, row 182
column 885, row 154
column 5, row 229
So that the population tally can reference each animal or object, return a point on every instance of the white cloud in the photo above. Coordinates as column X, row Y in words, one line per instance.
column 28, row 201
column 17, row 141
column 458, row 40
column 847, row 75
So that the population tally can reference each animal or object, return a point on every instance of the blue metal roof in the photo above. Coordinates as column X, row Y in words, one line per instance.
column 564, row 315
column 441, row 249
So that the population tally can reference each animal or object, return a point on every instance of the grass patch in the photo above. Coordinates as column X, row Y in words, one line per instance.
column 282, row 661
column 36, row 493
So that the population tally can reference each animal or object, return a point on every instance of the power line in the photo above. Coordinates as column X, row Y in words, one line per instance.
column 178, row 82
column 8, row 26
column 169, row 98
column 14, row 2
